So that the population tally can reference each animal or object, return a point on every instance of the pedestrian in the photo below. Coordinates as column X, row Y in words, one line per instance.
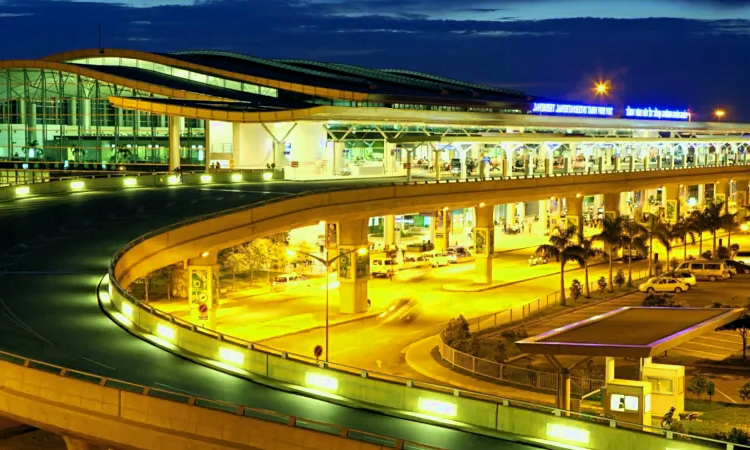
column 390, row 275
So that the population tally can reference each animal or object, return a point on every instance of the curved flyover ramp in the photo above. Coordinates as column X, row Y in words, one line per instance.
column 55, row 252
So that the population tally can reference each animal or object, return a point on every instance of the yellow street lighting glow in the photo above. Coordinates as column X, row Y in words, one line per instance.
column 267, row 176
column 77, row 184
column 720, row 113
column 165, row 331
column 204, row 255
column 362, row 251
column 481, row 205
column 322, row 223
column 445, row 208
column 319, row 381
column 236, row 177
column 571, row 434
column 23, row 190
column 206, row 178
column 744, row 227
column 174, row 179
column 437, row 407
column 290, row 253
column 232, row 356
column 127, row 309
column 130, row 182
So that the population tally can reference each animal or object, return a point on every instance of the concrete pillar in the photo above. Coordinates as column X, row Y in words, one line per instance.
column 203, row 289
column 442, row 225
column 567, row 165
column 721, row 189
column 574, row 213
column 462, row 156
column 530, row 165
column 742, row 188
column 389, row 157
column 643, row 363
column 72, row 112
column 206, row 147
column 174, row 142
column 389, row 231
column 673, row 203
column 338, row 157
column 484, row 243
column 74, row 443
column 507, row 160
column 612, row 205
column 436, row 162
column 609, row 369
column 510, row 214
column 543, row 213
column 563, row 401
column 354, row 268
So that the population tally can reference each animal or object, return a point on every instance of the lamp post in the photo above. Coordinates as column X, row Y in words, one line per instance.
column 327, row 263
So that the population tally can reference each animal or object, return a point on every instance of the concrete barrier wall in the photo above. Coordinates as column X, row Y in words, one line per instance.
column 117, row 418
column 392, row 395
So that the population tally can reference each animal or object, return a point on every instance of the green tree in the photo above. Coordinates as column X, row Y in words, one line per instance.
column 620, row 279
column 698, row 385
column 700, row 222
column 744, row 392
column 562, row 248
column 633, row 238
column 588, row 252
column 576, row 290
column 714, row 211
column 741, row 326
column 259, row 255
column 729, row 224
column 655, row 229
column 685, row 231
column 613, row 238
column 235, row 259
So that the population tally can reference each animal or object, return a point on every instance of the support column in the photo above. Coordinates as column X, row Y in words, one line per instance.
column 354, row 268
column 612, row 205
column 436, row 161
column 203, row 289
column 510, row 214
column 673, row 206
column 85, row 115
column 720, row 194
column 564, row 391
column 442, row 226
column 389, row 156
column 338, row 157
column 484, row 243
column 462, row 156
column 74, row 443
column 507, row 160
column 72, row 112
column 529, row 165
column 543, row 214
column 206, row 147
column 174, row 142
column 574, row 214
column 609, row 369
column 742, row 187
column 389, row 231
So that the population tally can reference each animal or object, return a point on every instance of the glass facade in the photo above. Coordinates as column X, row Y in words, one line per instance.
column 54, row 120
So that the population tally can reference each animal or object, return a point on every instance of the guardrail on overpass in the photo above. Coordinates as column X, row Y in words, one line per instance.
column 338, row 383
column 116, row 413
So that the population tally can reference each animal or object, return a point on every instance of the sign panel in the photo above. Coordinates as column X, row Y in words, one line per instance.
column 575, row 110
column 656, row 113
column 332, row 235
column 198, row 286
column 295, row 164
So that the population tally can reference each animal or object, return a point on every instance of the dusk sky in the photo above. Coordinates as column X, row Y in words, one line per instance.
column 666, row 53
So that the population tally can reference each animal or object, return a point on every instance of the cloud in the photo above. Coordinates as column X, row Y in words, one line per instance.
column 9, row 15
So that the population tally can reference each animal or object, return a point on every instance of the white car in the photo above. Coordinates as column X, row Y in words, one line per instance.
column 383, row 267
column 663, row 284
column 684, row 276
column 288, row 281
column 435, row 258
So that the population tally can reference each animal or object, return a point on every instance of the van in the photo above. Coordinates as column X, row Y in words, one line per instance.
column 382, row 267
column 742, row 256
column 435, row 258
column 705, row 269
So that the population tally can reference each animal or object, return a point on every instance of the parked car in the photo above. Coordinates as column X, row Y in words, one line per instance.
column 738, row 266
column 288, row 281
column 401, row 310
column 663, row 284
column 434, row 258
column 742, row 256
column 684, row 276
column 705, row 269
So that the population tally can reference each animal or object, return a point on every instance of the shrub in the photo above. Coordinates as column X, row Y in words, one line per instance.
column 744, row 392
column 499, row 352
column 735, row 248
column 735, row 436
column 456, row 330
column 516, row 334
column 698, row 385
column 722, row 252
column 469, row 346
column 658, row 268
column 576, row 290
column 674, row 263
column 619, row 279
column 663, row 300
column 707, row 254
column 602, row 283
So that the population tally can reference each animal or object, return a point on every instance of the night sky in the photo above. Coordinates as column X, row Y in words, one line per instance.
column 666, row 53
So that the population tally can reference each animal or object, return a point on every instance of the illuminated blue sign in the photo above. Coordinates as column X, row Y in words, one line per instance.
column 655, row 113
column 578, row 110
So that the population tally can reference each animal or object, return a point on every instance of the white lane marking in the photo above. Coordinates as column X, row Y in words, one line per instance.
column 723, row 347
column 725, row 395
column 172, row 388
column 687, row 350
column 98, row 363
column 739, row 341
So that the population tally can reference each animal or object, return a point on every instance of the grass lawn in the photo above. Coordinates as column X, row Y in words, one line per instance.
column 716, row 417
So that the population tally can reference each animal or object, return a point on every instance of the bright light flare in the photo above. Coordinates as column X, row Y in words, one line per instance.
column 127, row 309
column 165, row 331
column 571, row 434
column 362, row 251
column 437, row 407
column 23, row 190
column 319, row 381
column 174, row 179
column 267, row 176
column 719, row 113
column 77, row 185
column 236, row 177
column 232, row 356
column 130, row 182
column 206, row 178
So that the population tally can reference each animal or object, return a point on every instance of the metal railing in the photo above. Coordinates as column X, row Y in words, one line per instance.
column 217, row 405
column 312, row 362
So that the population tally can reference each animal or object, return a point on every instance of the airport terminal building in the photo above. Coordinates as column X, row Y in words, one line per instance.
column 105, row 109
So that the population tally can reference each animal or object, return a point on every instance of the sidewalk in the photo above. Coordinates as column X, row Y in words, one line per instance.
column 419, row 357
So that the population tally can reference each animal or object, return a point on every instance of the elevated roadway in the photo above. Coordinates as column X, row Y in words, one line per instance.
column 56, row 250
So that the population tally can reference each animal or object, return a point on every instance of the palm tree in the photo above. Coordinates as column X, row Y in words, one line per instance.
column 613, row 238
column 700, row 222
column 654, row 230
column 587, row 252
column 729, row 224
column 683, row 231
column 562, row 248
column 634, row 233
column 714, row 221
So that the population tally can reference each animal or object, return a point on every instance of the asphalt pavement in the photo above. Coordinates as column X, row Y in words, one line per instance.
column 56, row 250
